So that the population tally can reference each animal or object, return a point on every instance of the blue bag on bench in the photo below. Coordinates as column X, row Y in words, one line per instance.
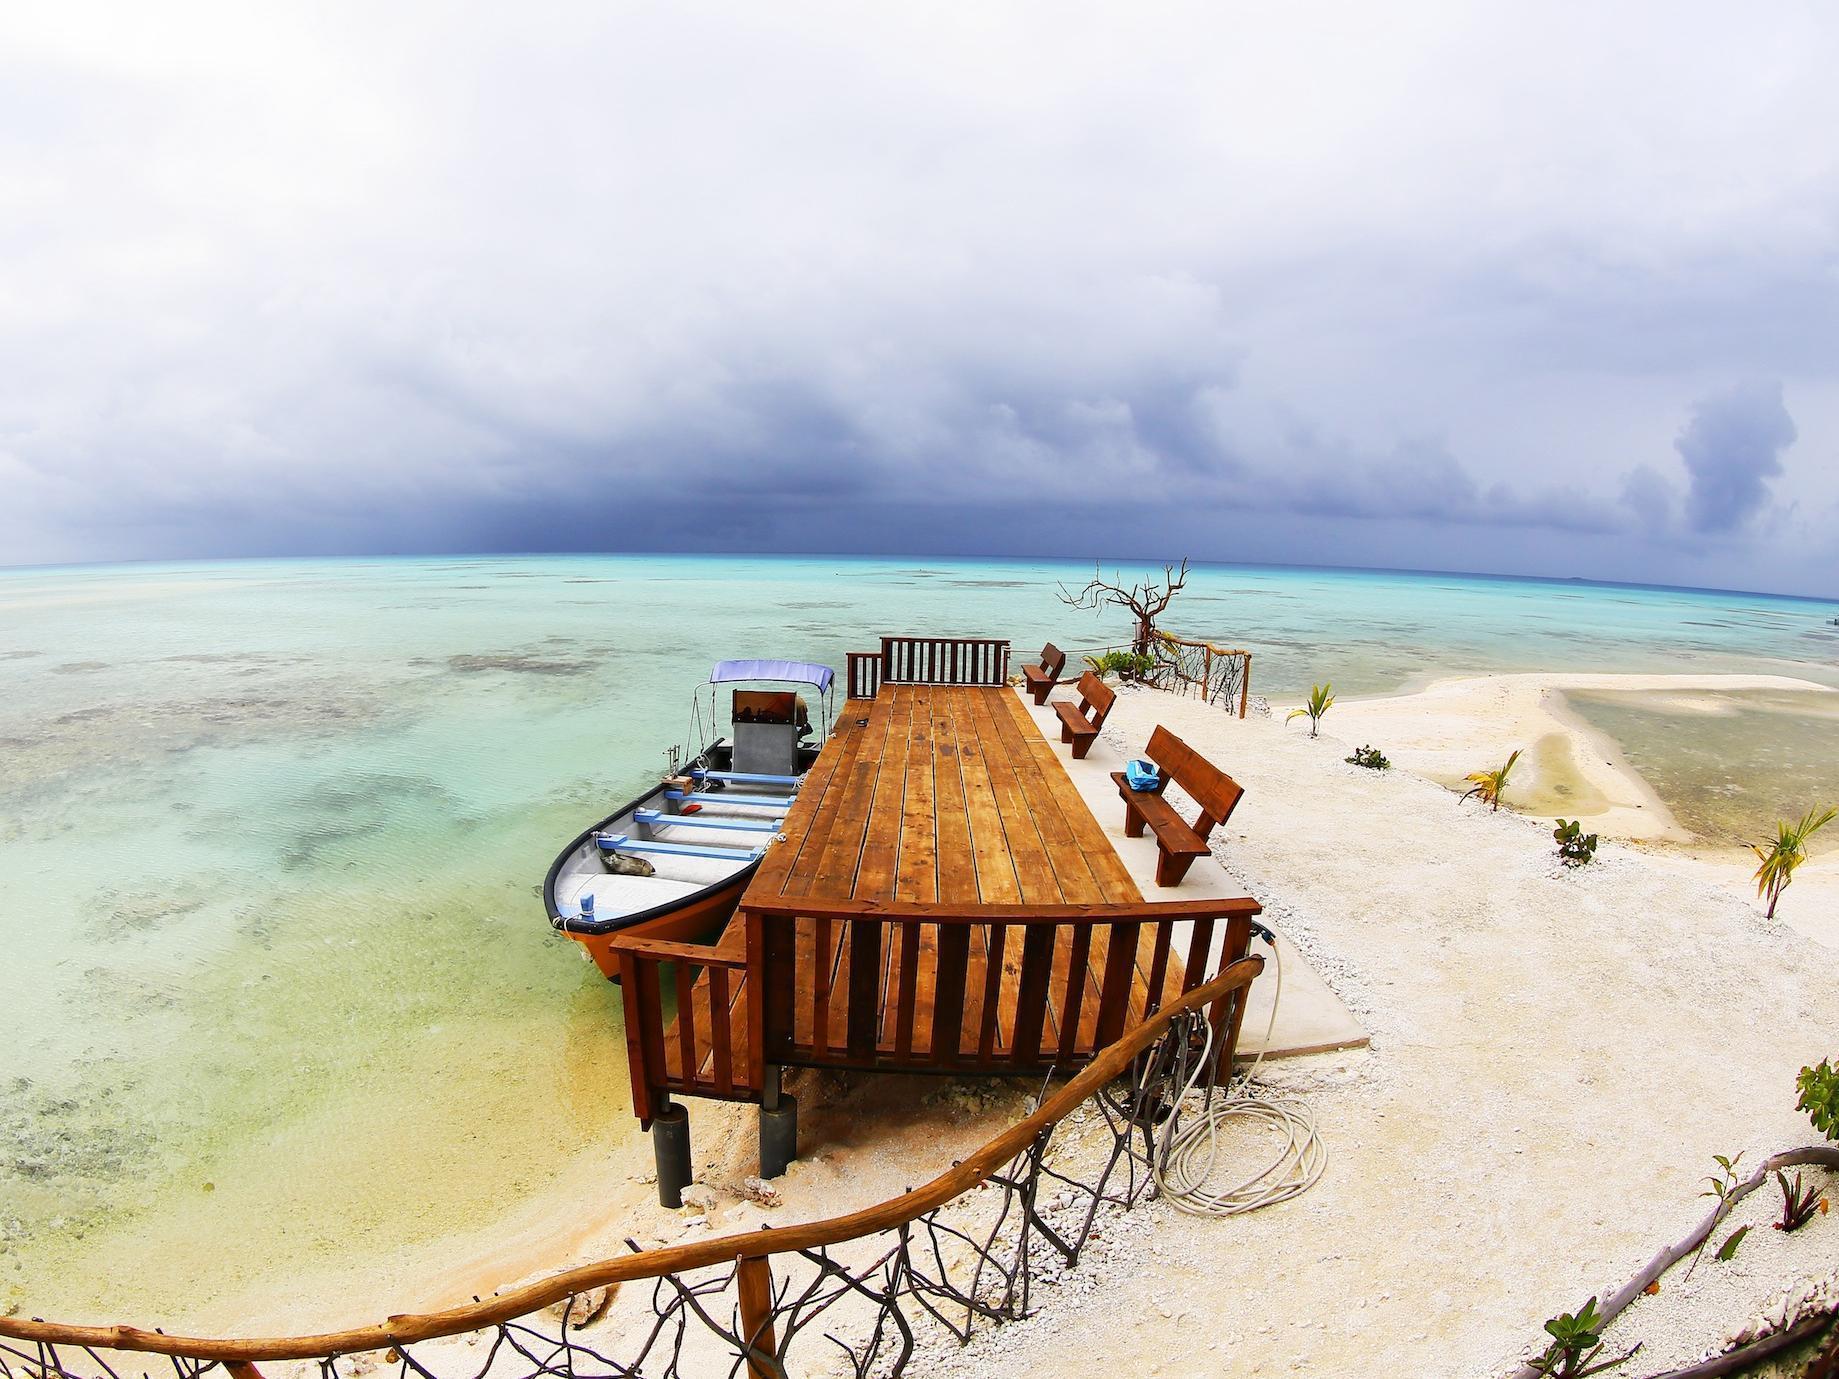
column 1142, row 775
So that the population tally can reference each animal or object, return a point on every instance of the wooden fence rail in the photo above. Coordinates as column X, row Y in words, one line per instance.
column 864, row 674
column 749, row 1255
column 945, row 660
column 912, row 987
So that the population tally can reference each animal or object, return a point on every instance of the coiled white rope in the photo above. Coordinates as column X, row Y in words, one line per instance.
column 1188, row 1158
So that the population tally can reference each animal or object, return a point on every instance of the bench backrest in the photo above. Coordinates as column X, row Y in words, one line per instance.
column 1095, row 698
column 1216, row 793
column 1053, row 661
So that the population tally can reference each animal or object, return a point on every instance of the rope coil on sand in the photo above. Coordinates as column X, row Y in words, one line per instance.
column 1189, row 1155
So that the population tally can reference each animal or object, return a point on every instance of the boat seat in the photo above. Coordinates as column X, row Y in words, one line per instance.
column 617, row 895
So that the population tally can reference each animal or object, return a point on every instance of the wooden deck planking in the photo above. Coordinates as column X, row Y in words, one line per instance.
column 942, row 793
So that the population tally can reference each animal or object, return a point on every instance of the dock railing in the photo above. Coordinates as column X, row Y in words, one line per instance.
column 910, row 987
column 767, row 1301
column 929, row 661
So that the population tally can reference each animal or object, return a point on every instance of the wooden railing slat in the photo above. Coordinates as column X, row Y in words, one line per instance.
column 953, row 947
column 997, row 936
column 721, row 1038
column 1031, row 994
column 1074, row 999
column 864, row 1026
column 1116, row 985
column 683, row 982
column 1198, row 944
column 906, row 989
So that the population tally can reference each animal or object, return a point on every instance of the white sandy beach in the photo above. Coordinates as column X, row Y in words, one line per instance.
column 1463, row 724
column 1555, row 1057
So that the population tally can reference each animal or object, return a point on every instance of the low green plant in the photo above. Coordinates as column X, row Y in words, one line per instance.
column 1798, row 1203
column 1819, row 1097
column 1126, row 665
column 1489, row 786
column 1575, row 847
column 1371, row 758
column 1576, row 1342
column 1723, row 1183
column 1728, row 1250
column 1321, row 700
column 1787, row 851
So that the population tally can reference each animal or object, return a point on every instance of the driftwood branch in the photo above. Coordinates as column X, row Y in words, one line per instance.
column 1147, row 600
column 1825, row 1156
column 1755, row 1353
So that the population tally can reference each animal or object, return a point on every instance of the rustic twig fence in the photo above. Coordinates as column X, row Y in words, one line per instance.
column 952, row 1253
column 1218, row 674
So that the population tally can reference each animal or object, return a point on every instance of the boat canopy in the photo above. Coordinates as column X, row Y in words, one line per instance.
column 796, row 672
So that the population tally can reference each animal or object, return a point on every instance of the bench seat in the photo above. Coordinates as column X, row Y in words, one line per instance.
column 1079, row 724
column 1041, row 679
column 1178, row 842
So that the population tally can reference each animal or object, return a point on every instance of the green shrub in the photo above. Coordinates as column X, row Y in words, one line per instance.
column 1126, row 665
column 1371, row 758
column 1575, row 846
column 1819, row 1087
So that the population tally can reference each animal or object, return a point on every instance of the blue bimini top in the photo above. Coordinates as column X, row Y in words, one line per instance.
column 795, row 672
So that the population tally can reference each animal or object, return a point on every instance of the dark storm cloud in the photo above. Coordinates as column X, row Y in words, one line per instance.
column 1732, row 449
column 297, row 279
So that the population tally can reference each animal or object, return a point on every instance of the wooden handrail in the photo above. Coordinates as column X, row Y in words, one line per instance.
column 723, row 954
column 408, row 1329
column 976, row 912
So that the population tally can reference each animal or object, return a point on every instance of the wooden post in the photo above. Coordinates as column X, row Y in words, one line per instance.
column 753, row 1279
column 1245, row 684
column 241, row 1369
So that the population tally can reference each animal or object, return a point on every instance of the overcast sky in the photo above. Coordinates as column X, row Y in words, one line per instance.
column 1394, row 285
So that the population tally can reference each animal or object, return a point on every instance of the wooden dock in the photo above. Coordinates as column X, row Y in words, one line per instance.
column 942, row 900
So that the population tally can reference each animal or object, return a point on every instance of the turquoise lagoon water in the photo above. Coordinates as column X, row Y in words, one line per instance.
column 280, row 1001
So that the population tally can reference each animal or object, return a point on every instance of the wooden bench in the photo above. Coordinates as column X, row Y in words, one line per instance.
column 1178, row 843
column 1041, row 679
column 1080, row 725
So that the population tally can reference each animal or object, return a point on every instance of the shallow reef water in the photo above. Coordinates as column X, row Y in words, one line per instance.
column 277, row 973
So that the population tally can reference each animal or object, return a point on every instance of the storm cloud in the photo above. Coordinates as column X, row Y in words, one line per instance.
column 1732, row 449
column 1426, row 286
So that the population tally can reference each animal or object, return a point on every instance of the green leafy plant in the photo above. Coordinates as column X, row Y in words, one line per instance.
column 1371, row 758
column 1126, row 665
column 1488, row 786
column 1787, row 851
column 1819, row 1089
column 1321, row 700
column 1723, row 1183
column 1576, row 1342
column 1728, row 1250
column 1575, row 846
column 1798, row 1203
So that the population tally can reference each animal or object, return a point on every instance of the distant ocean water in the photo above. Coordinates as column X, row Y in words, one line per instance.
column 280, row 990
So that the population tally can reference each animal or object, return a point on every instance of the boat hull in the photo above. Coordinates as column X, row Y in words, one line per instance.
column 696, row 919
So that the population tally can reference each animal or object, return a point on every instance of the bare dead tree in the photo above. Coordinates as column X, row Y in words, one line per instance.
column 1146, row 599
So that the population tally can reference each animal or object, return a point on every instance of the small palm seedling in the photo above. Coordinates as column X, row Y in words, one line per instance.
column 1371, row 758
column 1786, row 852
column 1798, row 1203
column 1575, row 847
column 1576, row 1342
column 1321, row 700
column 1819, row 1097
column 1488, row 786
